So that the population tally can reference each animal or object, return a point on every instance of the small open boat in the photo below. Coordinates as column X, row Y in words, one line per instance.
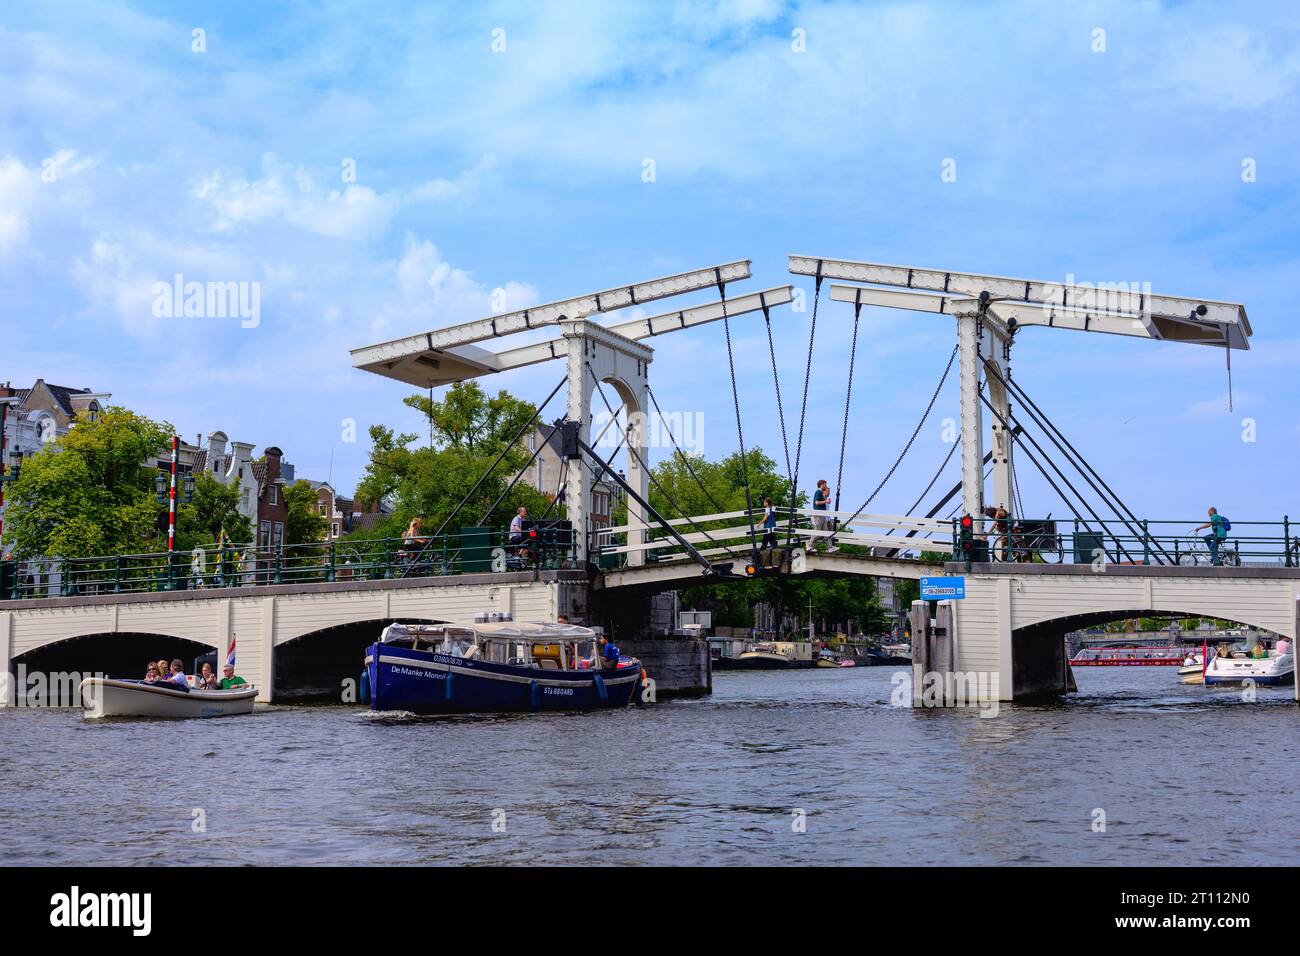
column 493, row 667
column 107, row 697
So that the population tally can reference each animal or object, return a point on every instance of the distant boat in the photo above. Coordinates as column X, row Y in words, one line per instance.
column 1168, row 656
column 106, row 697
column 775, row 655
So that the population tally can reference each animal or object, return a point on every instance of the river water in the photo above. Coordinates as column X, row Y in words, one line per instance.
column 810, row 766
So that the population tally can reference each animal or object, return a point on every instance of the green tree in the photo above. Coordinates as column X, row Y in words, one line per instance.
column 470, row 430
column 89, row 494
column 305, row 522
column 213, row 512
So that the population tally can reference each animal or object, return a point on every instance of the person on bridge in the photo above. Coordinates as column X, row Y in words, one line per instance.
column 517, row 530
column 230, row 679
column 822, row 522
column 769, row 524
column 1218, row 531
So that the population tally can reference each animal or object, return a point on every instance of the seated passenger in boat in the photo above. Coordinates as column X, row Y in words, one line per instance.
column 164, row 669
column 207, row 680
column 178, row 675
column 151, row 675
column 1283, row 646
column 230, row 679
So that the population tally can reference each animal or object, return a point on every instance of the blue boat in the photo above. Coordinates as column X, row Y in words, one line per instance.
column 493, row 667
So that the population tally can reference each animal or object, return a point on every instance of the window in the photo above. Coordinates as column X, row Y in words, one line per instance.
column 264, row 534
column 243, row 499
column 334, row 530
column 273, row 495
column 321, row 507
column 278, row 540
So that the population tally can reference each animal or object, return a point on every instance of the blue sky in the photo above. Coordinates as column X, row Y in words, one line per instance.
column 522, row 170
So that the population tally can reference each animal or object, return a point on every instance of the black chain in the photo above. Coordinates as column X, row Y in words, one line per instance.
column 848, row 396
column 906, row 448
column 776, row 380
column 633, row 453
column 735, row 399
column 803, row 413
column 685, row 458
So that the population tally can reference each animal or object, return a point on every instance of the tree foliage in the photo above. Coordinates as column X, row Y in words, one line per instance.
column 470, row 430
column 213, row 512
column 89, row 494
column 305, row 522
column 707, row 487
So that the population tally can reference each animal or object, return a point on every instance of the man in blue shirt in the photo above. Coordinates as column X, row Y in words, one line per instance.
column 609, row 654
column 1217, row 533
column 822, row 522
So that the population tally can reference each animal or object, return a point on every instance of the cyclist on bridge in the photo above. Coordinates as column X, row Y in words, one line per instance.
column 1218, row 526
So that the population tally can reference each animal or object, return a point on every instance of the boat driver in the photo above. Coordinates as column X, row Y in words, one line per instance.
column 609, row 653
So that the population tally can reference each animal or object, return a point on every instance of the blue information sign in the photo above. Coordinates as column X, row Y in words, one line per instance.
column 943, row 589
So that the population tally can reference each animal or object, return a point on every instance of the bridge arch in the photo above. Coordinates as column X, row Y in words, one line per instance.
column 315, row 665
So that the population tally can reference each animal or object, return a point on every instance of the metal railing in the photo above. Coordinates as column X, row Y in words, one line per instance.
column 728, row 534
column 318, row 562
column 1127, row 541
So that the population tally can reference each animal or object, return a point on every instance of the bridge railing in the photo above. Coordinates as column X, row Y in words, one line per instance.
column 728, row 534
column 309, row 563
column 1112, row 540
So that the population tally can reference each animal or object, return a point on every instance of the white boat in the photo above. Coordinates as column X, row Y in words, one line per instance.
column 1192, row 669
column 1238, row 669
column 106, row 697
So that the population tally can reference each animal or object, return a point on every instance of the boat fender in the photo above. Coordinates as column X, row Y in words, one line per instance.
column 363, row 686
column 600, row 687
column 446, row 687
column 533, row 693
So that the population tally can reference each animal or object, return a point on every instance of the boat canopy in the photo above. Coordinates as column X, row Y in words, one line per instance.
column 508, row 630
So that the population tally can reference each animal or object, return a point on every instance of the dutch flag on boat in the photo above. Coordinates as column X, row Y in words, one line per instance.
column 230, row 657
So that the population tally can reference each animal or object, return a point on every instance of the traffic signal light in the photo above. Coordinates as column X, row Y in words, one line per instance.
column 967, row 534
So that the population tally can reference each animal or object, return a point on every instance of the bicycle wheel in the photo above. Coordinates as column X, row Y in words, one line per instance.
column 1230, row 558
column 1052, row 549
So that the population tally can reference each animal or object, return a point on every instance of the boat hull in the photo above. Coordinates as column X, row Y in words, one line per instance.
column 1265, row 672
column 425, row 682
column 750, row 661
column 105, row 697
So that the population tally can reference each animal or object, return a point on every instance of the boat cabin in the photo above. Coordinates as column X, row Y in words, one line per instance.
column 544, row 646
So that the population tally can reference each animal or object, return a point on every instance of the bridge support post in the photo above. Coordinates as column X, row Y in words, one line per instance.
column 933, row 657
column 7, row 686
column 597, row 355
column 1002, row 446
column 972, row 418
column 265, row 680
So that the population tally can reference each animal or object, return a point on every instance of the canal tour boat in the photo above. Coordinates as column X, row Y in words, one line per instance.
column 109, row 697
column 496, row 666
column 1132, row 656
column 1238, row 668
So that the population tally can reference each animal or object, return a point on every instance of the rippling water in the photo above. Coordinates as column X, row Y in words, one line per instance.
column 1184, row 775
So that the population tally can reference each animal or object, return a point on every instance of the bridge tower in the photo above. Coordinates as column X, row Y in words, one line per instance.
column 990, row 310
column 595, row 354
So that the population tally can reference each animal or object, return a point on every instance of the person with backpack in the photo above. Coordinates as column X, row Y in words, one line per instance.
column 1219, row 527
